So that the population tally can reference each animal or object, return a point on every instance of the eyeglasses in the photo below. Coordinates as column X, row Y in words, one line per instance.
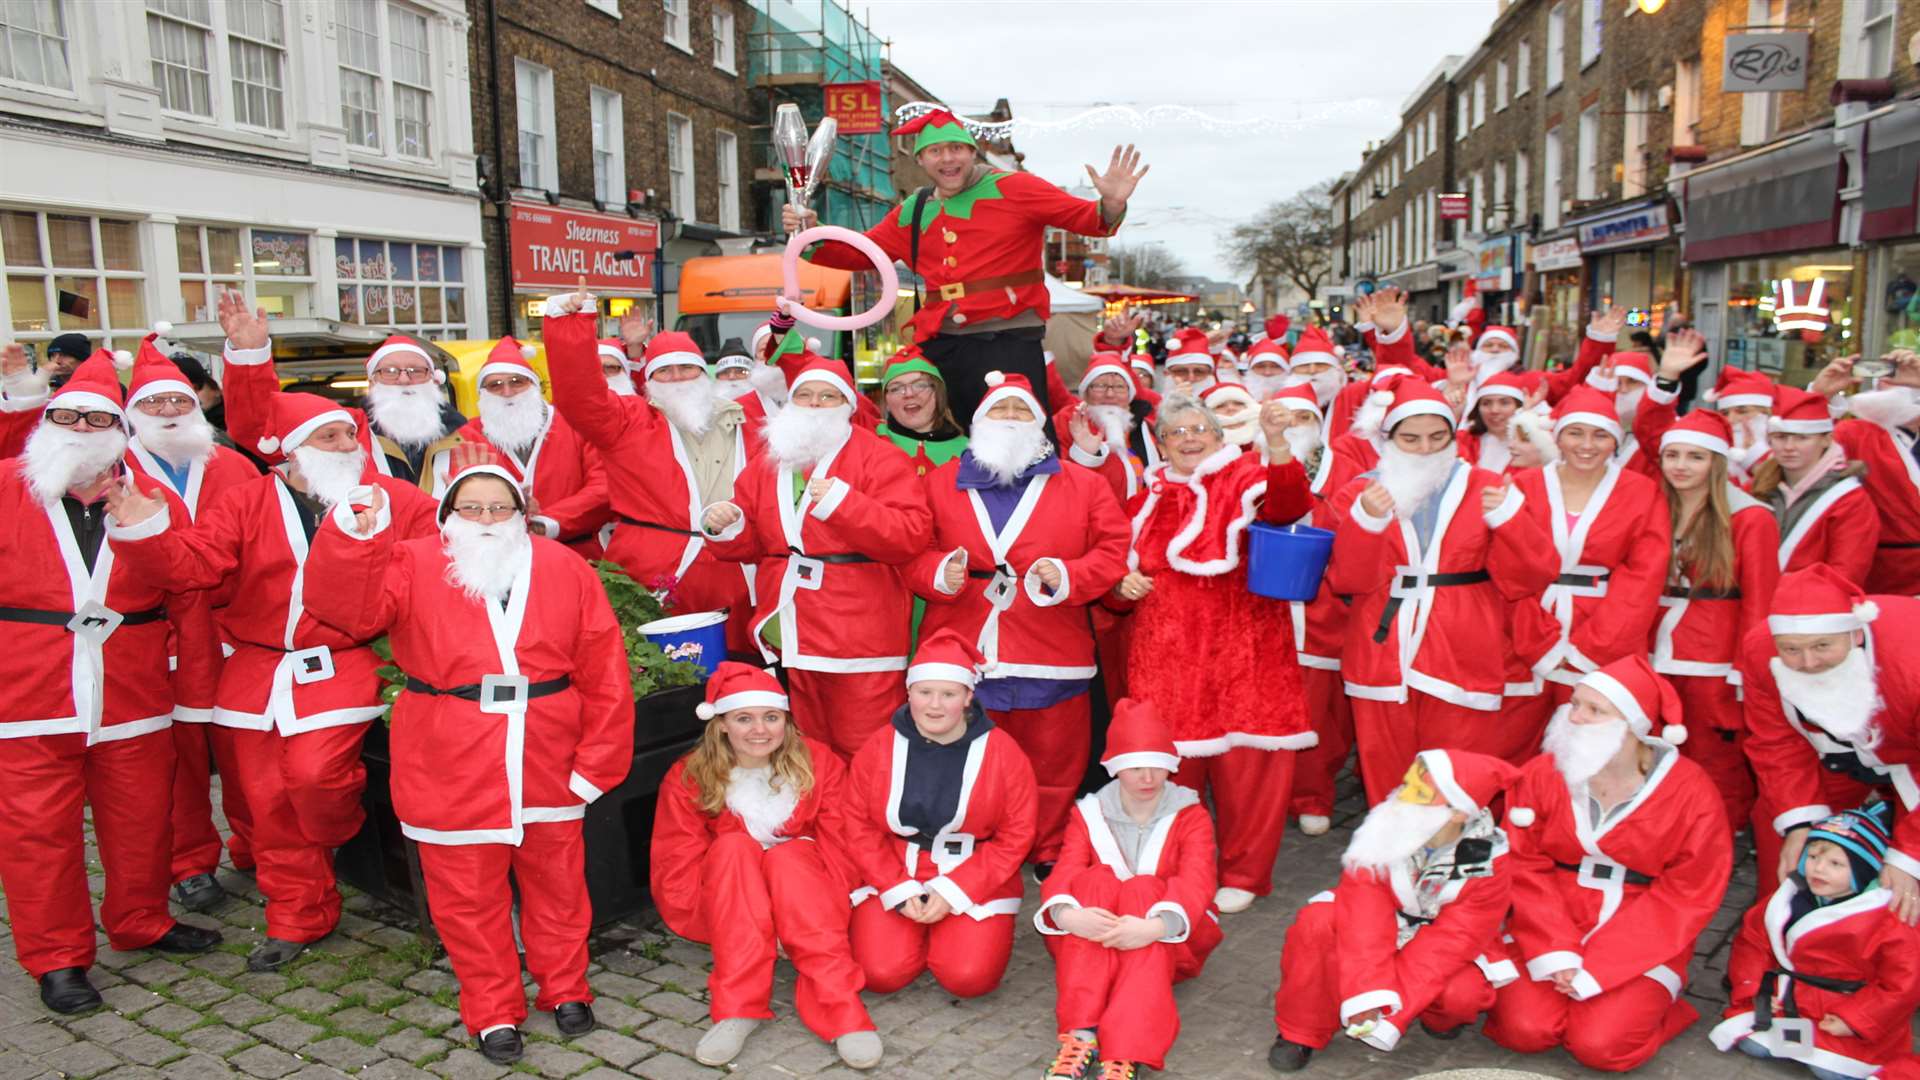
column 905, row 388
column 163, row 404
column 99, row 421
column 486, row 512
column 395, row 375
column 610, row 370
column 515, row 383
column 1183, row 432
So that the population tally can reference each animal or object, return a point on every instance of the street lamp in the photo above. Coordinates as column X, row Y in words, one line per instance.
column 1649, row 7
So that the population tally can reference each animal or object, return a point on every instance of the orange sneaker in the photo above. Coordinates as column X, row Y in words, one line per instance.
column 1118, row 1070
column 1076, row 1060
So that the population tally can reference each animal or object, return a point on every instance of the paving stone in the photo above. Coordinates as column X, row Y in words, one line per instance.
column 80, row 1060
column 317, row 1072
column 430, row 981
column 197, row 1066
column 40, row 1037
column 680, row 1038
column 130, row 1000
column 554, row 1060
column 342, row 1053
column 603, row 1072
column 415, row 1046
column 673, row 1067
column 103, row 1027
column 308, row 999
column 217, row 1039
column 263, row 984
column 466, row 1064
column 169, row 1018
column 131, row 1072
column 678, row 1006
column 686, row 979
column 266, row 1062
column 286, row 1032
column 372, row 993
column 157, row 972
column 242, row 1011
column 199, row 992
column 422, row 1013
column 393, row 1070
column 147, row 1048
column 612, row 1047
column 625, row 987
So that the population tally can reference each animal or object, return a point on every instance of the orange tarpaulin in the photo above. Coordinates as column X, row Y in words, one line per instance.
column 1135, row 294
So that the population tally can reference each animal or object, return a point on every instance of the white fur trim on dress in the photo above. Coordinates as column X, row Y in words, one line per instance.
column 1220, row 744
column 1249, row 509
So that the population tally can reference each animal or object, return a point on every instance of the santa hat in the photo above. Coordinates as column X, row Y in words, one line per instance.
column 1703, row 428
column 613, row 349
column 1000, row 387
column 293, row 417
column 1299, row 397
column 1189, row 347
column 1499, row 333
column 1818, row 600
column 1106, row 363
column 820, row 369
column 94, row 386
column 484, row 468
column 1637, row 366
column 1313, row 347
column 1798, row 412
column 1507, row 384
column 1470, row 782
column 1412, row 398
column 946, row 656
column 154, row 374
column 1138, row 739
column 509, row 357
column 397, row 344
column 1642, row 695
column 734, row 685
column 670, row 348
column 938, row 126
column 1735, row 388
column 1864, row 836
column 1587, row 405
column 1267, row 350
column 1221, row 393
column 1277, row 326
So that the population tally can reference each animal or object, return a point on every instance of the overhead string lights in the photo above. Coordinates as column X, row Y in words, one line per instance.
column 1192, row 118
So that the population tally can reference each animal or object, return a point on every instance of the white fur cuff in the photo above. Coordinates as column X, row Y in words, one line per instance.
column 956, row 898
column 901, row 893
column 1542, row 967
column 940, row 573
column 1036, row 590
column 1368, row 521
column 1585, row 986
column 1043, row 918
column 836, row 494
column 246, row 357
column 1508, row 507
column 579, row 786
column 739, row 524
column 1081, row 457
column 1598, row 335
column 343, row 516
column 153, row 526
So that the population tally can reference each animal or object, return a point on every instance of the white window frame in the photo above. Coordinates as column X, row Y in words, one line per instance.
column 1586, row 169
column 724, row 44
column 1480, row 202
column 683, row 192
column 546, row 161
column 234, row 39
column 1556, row 46
column 1433, row 132
column 1462, row 117
column 608, row 123
column 247, row 281
column 1634, row 135
column 676, row 24
column 1497, row 218
column 1551, row 182
column 1520, row 193
column 1857, row 39
column 123, row 336
column 211, row 38
column 1592, row 31
column 1502, row 74
column 394, row 83
column 1523, row 67
column 1479, row 100
column 1760, row 113
column 387, row 82
column 726, row 185
column 441, row 329
column 1686, row 102
column 40, row 38
column 606, row 7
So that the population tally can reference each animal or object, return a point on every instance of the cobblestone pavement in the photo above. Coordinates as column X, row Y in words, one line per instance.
column 371, row 1002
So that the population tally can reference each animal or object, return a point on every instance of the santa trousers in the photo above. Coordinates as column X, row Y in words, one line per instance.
column 1716, row 741
column 196, row 842
column 1125, row 995
column 845, row 709
column 1615, row 1031
column 967, row 956
column 46, row 781
column 1055, row 740
column 1251, row 789
column 303, row 792
column 1389, row 734
column 472, row 907
column 1332, row 718
column 1306, row 1008
column 754, row 898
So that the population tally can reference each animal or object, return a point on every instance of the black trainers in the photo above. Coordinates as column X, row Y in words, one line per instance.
column 67, row 991
column 273, row 954
column 573, row 1017
column 502, row 1047
column 1288, row 1056
column 186, row 938
column 198, row 893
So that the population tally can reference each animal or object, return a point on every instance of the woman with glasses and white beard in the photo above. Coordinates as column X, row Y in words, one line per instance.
column 1433, row 551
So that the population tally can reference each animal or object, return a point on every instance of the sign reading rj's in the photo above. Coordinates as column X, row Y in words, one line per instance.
column 554, row 248
column 1761, row 63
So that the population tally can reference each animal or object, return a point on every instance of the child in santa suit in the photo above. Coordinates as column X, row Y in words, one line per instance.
column 938, row 815
column 1413, row 929
column 1823, row 973
column 1129, row 909
column 737, row 862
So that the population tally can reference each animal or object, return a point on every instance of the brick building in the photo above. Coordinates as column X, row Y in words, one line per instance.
column 612, row 127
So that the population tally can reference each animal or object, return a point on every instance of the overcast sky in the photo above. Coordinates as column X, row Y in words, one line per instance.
column 1256, row 98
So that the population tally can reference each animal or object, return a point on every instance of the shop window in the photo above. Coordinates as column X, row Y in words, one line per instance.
column 680, row 166
column 33, row 43
column 73, row 273
column 1788, row 316
column 413, row 287
column 272, row 267
column 1901, row 299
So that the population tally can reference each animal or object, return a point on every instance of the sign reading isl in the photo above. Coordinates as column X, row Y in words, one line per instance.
column 856, row 107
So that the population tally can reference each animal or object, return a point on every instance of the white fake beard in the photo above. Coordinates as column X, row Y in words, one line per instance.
column 769, row 382
column 1750, row 432
column 57, row 458
column 800, row 436
column 1263, row 387
column 622, row 384
column 688, row 403
column 1414, row 479
column 1303, row 441
column 1240, row 430
column 1113, row 422
column 513, row 422
column 1843, row 699
column 1890, row 408
column 177, row 440
column 1369, row 416
column 483, row 555
column 409, row 415
column 1391, row 832
column 733, row 389
column 1488, row 364
column 330, row 474
column 1580, row 750
column 1627, row 404
column 1005, row 448
column 1165, row 384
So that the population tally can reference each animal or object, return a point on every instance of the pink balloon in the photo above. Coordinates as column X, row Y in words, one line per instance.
column 790, row 279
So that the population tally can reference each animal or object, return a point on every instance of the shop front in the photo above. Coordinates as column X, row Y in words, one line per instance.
column 1554, row 313
column 555, row 248
column 1495, row 274
column 1632, row 262
column 1426, row 295
column 1890, row 231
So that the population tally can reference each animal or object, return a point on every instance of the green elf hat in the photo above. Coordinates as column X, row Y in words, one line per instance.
column 938, row 126
column 909, row 360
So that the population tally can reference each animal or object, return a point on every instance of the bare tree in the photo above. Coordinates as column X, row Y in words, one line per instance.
column 1150, row 266
column 1291, row 239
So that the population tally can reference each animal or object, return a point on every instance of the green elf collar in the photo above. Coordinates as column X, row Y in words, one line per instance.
column 961, row 205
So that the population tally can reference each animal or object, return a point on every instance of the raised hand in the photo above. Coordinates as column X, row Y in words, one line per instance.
column 1906, row 368
column 1608, row 322
column 720, row 517
column 1119, row 330
column 1389, row 310
column 636, row 329
column 1459, row 365
column 1117, row 183
column 795, row 219
column 1684, row 349
column 1835, row 378
column 1080, row 430
column 367, row 517
column 1274, row 417
column 129, row 505
column 467, row 455
column 1361, row 308
column 245, row 329
column 1376, row 500
column 13, row 359
column 953, row 576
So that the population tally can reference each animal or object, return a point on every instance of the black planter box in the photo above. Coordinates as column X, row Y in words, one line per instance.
column 618, row 825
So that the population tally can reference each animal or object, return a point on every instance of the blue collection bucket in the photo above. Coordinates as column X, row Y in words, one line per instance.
column 699, row 638
column 1285, row 562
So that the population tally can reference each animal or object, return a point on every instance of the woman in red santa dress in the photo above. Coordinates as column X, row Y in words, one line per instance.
column 1622, row 869
column 938, row 816
column 1433, row 551
column 739, row 861
column 1745, row 398
column 1882, row 431
column 1817, row 492
column 1485, row 440
column 1022, row 544
column 1718, row 587
column 1611, row 533
column 1128, row 911
column 828, row 515
column 517, row 713
column 1239, row 715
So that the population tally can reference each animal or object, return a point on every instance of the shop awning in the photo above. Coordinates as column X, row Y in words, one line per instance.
column 1784, row 199
column 1890, row 201
column 1117, row 293
column 1416, row 279
column 300, row 333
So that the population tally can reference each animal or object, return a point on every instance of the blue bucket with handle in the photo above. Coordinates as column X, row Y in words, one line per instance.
column 699, row 638
column 1286, row 562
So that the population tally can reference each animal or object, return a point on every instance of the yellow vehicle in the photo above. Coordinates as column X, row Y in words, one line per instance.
column 469, row 356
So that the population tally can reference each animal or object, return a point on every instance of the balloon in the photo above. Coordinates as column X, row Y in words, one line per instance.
column 789, row 300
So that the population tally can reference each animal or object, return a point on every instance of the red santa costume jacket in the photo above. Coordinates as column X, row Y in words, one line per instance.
column 1613, row 566
column 975, row 863
column 1320, row 627
column 1068, row 516
column 563, row 475
column 1578, row 898
column 1436, row 636
column 465, row 772
column 1893, row 481
column 1841, row 528
column 1700, row 629
column 289, row 672
column 1856, row 940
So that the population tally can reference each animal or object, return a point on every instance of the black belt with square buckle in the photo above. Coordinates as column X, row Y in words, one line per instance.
column 1409, row 581
column 1770, row 984
column 472, row 691
column 43, row 617
column 836, row 557
column 1631, row 877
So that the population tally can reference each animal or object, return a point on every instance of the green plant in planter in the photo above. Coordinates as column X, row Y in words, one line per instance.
column 634, row 605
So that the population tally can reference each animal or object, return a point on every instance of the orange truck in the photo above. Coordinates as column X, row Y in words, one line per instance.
column 729, row 296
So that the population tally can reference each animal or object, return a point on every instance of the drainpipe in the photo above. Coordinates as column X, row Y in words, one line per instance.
column 502, row 202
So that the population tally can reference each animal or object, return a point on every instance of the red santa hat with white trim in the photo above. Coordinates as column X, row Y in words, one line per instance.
column 94, row 386
column 945, row 656
column 672, row 347
column 734, row 685
column 1300, row 397
column 1736, row 387
column 1506, row 384
column 1799, row 412
column 1499, row 333
column 815, row 368
column 1412, row 398
column 1220, row 393
column 1642, row 695
column 293, row 417
column 509, row 357
column 401, row 345
column 1138, row 739
column 1590, row 406
column 1267, row 350
column 1637, row 366
column 1189, row 348
column 1470, row 782
column 1000, row 387
column 1703, row 428
column 1109, row 363
column 154, row 374
column 488, row 466
column 1313, row 347
column 614, row 349
column 1818, row 600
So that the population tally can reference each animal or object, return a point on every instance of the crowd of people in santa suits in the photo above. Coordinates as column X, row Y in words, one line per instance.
column 1575, row 640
